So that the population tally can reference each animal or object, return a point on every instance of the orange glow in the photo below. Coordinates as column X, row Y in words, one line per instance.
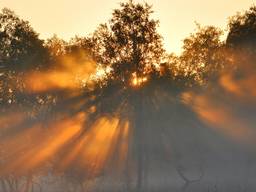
column 243, row 88
column 124, row 144
column 95, row 149
column 69, row 74
column 99, row 144
column 63, row 132
column 138, row 81
column 32, row 148
column 11, row 119
column 219, row 116
column 104, row 140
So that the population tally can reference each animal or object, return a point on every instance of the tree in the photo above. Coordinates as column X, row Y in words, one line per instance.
column 20, row 50
column 56, row 47
column 129, row 44
column 78, row 44
column 20, row 46
column 242, row 30
column 202, row 53
column 77, row 47
column 241, row 49
column 241, row 40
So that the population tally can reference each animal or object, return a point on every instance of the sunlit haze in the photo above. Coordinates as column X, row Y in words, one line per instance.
column 68, row 18
column 91, row 107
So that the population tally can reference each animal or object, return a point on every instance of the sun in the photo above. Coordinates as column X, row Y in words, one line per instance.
column 138, row 81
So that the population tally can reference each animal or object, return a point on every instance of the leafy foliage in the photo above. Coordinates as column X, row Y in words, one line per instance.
column 20, row 47
column 242, row 30
column 202, row 55
column 130, row 43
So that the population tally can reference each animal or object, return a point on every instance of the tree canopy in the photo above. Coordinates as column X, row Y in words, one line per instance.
column 129, row 43
column 202, row 54
column 20, row 46
column 242, row 30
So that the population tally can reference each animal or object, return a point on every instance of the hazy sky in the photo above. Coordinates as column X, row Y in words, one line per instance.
column 177, row 18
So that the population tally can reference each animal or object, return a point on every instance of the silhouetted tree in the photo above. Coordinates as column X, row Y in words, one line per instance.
column 202, row 55
column 56, row 46
column 241, row 49
column 241, row 40
column 20, row 50
column 173, row 74
column 80, row 44
column 20, row 46
column 242, row 30
column 77, row 47
column 129, row 44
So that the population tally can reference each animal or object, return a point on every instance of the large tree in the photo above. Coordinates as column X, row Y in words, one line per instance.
column 202, row 55
column 241, row 41
column 20, row 50
column 129, row 44
column 20, row 46
column 242, row 30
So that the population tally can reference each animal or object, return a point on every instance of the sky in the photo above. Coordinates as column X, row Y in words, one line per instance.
column 68, row 18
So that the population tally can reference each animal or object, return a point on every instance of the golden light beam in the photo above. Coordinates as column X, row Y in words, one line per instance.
column 68, row 73
column 220, row 116
column 39, row 145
